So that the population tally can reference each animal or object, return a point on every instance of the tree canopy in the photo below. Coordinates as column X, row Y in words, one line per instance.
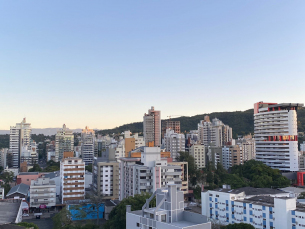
column 238, row 226
column 117, row 217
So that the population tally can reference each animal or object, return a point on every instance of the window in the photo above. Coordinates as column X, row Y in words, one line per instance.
column 138, row 225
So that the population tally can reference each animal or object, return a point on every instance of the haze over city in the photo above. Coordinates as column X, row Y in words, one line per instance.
column 103, row 64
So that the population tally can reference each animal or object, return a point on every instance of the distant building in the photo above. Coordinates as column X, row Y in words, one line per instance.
column 64, row 141
column 72, row 174
column 232, row 155
column 87, row 149
column 2, row 194
column 20, row 137
column 169, row 213
column 198, row 152
column 147, row 173
column 173, row 125
column 42, row 193
column 27, row 177
column 215, row 155
column 106, row 178
column 174, row 143
column 276, row 135
column 3, row 157
column 152, row 127
column 24, row 167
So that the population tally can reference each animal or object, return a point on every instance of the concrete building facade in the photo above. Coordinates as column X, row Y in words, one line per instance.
column 198, row 152
column 42, row 192
column 72, row 174
column 168, row 214
column 87, row 145
column 105, row 178
column 152, row 127
column 64, row 142
column 276, row 136
column 174, row 143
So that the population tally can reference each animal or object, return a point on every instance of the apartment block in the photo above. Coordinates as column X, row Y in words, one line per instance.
column 87, row 145
column 276, row 135
column 147, row 174
column 232, row 155
column 105, row 178
column 3, row 157
column 184, row 174
column 215, row 155
column 152, row 127
column 20, row 137
column 72, row 174
column 198, row 152
column 42, row 193
column 172, row 125
column 64, row 142
column 169, row 213
column 260, row 207
column 174, row 143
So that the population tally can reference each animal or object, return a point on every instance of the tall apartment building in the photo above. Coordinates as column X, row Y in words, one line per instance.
column 214, row 132
column 3, row 157
column 72, row 175
column 42, row 192
column 198, row 152
column 174, row 143
column 260, row 207
column 148, row 173
column 64, row 142
column 20, row 137
column 87, row 147
column 29, row 154
column 173, row 125
column 152, row 127
column 105, row 178
column 276, row 136
column 248, row 148
column 232, row 155
column 215, row 155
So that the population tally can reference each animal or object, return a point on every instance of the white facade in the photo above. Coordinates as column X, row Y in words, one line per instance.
column 302, row 147
column 87, row 148
column 72, row 175
column 151, row 174
column 20, row 137
column 198, row 152
column 174, row 143
column 262, row 208
column 64, row 142
column 275, row 129
column 1, row 193
column 169, row 213
column 42, row 192
column 3, row 157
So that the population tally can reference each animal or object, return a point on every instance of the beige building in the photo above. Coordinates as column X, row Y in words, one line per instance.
column 105, row 178
column 232, row 155
column 198, row 152
column 42, row 192
column 72, row 174
column 184, row 175
column 152, row 127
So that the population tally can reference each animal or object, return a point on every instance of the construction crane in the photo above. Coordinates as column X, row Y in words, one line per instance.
column 170, row 116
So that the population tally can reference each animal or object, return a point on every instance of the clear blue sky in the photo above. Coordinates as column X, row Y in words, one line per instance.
column 104, row 63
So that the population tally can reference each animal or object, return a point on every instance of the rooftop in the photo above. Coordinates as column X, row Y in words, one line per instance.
column 52, row 175
column 20, row 188
column 29, row 173
column 249, row 191
column 8, row 211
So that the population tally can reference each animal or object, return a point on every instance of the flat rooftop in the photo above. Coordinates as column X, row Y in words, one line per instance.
column 249, row 191
column 8, row 211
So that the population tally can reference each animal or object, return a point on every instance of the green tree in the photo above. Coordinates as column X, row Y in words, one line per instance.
column 62, row 219
column 1, row 169
column 7, row 177
column 89, row 167
column 28, row 225
column 36, row 168
column 117, row 217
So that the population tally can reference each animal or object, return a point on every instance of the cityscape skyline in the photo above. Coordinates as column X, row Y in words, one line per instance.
column 97, row 64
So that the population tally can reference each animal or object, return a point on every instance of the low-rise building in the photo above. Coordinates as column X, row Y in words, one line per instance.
column 27, row 177
column 18, row 191
column 168, row 214
column 260, row 207
column 42, row 193
column 10, row 212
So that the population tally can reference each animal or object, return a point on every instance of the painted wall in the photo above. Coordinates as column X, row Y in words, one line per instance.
column 78, row 210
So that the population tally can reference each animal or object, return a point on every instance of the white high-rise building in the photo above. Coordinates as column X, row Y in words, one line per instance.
column 64, row 142
column 174, row 143
column 214, row 132
column 276, row 136
column 20, row 138
column 87, row 149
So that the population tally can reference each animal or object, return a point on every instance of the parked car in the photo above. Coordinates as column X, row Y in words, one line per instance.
column 187, row 208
